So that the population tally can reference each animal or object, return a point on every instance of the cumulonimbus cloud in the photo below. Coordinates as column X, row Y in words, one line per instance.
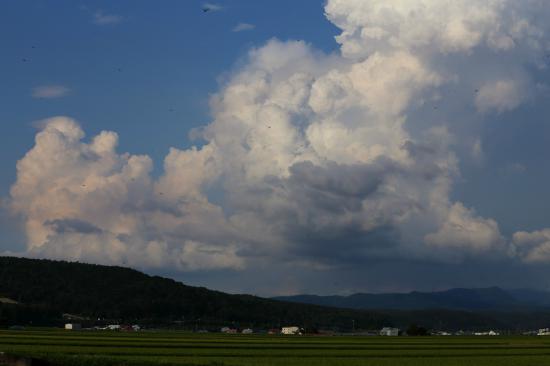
column 319, row 158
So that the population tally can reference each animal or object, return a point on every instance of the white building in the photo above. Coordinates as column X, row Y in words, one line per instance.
column 73, row 326
column 113, row 327
column 247, row 331
column 544, row 332
column 387, row 331
column 291, row 330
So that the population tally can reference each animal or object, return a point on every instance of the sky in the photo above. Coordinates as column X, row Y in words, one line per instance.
column 277, row 148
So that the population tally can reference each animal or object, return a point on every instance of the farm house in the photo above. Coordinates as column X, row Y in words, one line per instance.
column 291, row 330
column 387, row 331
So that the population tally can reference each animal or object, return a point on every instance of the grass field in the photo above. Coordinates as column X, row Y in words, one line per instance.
column 163, row 348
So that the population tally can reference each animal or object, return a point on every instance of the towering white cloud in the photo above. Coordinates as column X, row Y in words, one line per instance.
column 320, row 159
column 437, row 27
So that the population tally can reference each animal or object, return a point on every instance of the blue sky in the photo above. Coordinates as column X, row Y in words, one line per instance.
column 458, row 181
column 171, row 56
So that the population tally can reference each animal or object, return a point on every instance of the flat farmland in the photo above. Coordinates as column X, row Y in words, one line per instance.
column 180, row 348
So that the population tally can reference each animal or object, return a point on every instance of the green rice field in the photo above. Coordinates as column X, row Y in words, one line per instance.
column 179, row 348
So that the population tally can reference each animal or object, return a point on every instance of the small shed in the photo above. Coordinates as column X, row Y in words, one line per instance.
column 73, row 326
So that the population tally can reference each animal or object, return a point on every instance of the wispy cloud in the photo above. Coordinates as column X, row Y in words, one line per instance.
column 101, row 18
column 243, row 27
column 50, row 91
column 211, row 7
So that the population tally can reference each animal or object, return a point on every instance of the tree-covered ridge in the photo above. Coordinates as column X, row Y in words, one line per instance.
column 109, row 292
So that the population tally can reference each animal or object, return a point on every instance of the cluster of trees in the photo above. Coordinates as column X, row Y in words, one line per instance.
column 415, row 330
column 11, row 314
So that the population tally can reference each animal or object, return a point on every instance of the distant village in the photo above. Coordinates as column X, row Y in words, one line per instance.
column 296, row 330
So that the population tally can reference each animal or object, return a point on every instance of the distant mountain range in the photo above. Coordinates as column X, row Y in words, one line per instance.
column 470, row 299
column 45, row 292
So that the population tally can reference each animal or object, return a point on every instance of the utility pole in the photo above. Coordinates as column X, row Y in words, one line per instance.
column 197, row 323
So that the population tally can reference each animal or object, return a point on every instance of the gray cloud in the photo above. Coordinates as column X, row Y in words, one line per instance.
column 72, row 226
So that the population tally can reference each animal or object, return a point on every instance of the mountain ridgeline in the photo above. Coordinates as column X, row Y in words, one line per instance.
column 491, row 298
column 46, row 292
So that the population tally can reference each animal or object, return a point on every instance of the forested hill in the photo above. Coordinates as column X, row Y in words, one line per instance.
column 116, row 293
